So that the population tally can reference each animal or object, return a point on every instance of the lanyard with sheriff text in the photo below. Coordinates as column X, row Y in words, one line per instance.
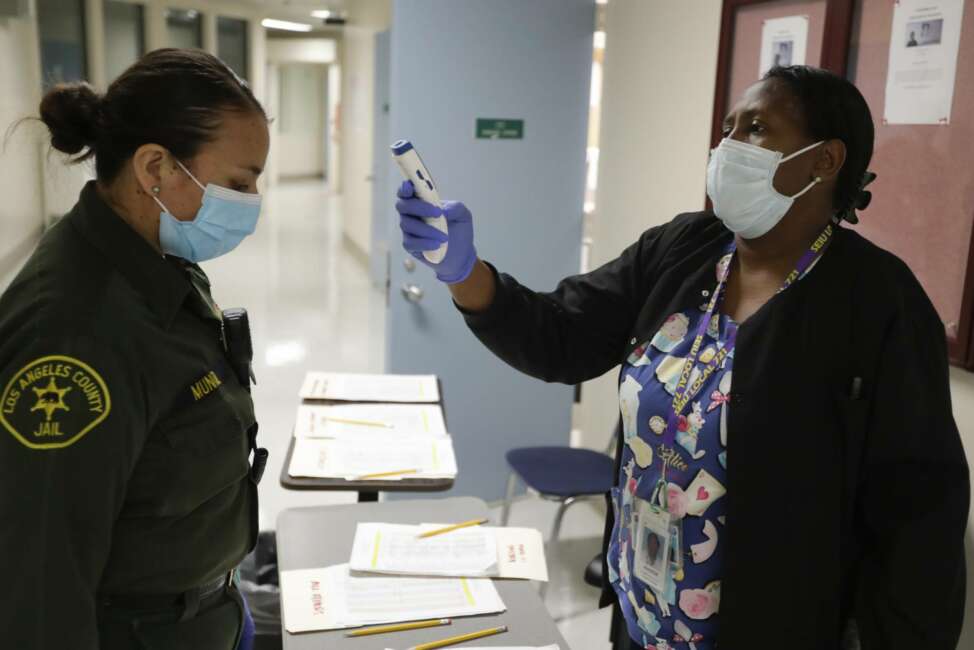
column 685, row 390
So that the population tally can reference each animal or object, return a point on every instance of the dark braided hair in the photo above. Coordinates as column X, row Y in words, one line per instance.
column 834, row 109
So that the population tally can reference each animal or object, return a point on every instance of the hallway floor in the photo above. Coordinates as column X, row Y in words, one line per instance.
column 312, row 306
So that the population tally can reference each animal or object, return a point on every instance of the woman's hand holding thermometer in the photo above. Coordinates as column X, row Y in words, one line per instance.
column 413, row 170
column 439, row 234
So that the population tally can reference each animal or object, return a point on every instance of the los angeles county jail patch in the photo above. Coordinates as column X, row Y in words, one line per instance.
column 53, row 402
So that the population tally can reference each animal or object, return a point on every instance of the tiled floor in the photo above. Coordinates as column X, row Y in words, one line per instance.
column 571, row 602
column 312, row 306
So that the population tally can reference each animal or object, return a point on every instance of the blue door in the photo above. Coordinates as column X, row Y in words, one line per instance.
column 452, row 64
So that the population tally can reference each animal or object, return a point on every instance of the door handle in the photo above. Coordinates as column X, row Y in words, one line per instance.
column 411, row 292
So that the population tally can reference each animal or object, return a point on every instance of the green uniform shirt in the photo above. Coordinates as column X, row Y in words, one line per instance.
column 123, row 439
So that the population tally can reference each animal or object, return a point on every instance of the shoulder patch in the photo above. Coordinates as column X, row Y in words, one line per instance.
column 52, row 402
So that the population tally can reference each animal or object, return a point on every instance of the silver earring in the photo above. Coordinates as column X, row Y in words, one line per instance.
column 155, row 189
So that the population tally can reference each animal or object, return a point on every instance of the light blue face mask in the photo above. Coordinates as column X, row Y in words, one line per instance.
column 225, row 218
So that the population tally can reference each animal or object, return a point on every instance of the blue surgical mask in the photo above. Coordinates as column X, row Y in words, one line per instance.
column 224, row 219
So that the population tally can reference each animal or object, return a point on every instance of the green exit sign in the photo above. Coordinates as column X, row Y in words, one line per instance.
column 494, row 129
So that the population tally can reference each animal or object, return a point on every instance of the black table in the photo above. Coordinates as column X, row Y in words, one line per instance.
column 368, row 490
column 322, row 536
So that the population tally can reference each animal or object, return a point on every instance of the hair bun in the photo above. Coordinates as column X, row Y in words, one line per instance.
column 863, row 200
column 71, row 113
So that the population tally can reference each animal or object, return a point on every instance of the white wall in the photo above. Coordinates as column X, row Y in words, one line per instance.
column 301, row 122
column 368, row 17
column 334, row 148
column 21, row 210
column 661, row 60
column 300, row 129
column 654, row 139
column 301, row 50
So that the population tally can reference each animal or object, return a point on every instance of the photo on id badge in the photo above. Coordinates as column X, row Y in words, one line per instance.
column 653, row 542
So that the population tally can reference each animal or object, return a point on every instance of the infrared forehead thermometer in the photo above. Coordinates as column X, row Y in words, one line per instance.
column 413, row 169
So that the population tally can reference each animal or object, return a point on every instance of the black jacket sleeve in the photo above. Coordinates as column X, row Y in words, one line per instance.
column 578, row 331
column 914, row 492
column 74, row 422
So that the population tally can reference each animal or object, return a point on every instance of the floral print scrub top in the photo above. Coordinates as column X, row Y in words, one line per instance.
column 686, row 614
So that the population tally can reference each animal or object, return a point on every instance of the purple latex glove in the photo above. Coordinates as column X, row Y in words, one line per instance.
column 417, row 237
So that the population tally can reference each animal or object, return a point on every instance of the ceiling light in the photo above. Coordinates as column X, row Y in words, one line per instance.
column 270, row 23
column 321, row 13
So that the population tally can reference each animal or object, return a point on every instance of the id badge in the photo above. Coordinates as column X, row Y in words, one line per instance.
column 653, row 545
column 676, row 546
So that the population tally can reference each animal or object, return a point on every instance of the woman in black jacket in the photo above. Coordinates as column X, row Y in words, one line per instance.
column 787, row 432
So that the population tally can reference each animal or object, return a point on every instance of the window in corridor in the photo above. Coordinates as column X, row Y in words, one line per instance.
column 124, row 36
column 61, row 26
column 232, row 45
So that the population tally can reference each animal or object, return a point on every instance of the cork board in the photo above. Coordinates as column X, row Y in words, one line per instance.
column 746, row 50
column 923, row 200
column 739, row 50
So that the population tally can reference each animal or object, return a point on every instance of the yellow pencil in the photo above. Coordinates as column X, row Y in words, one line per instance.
column 362, row 423
column 460, row 639
column 383, row 474
column 382, row 629
column 447, row 529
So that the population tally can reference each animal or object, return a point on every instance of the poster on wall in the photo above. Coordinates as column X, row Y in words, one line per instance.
column 783, row 42
column 923, row 61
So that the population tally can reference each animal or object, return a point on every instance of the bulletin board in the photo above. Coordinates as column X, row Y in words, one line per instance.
column 739, row 54
column 923, row 199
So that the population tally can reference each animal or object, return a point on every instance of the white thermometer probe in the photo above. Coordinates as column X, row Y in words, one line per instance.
column 413, row 169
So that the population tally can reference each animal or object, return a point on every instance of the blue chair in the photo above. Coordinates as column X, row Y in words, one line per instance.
column 563, row 474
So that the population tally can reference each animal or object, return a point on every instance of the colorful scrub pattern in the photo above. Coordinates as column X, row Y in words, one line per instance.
column 686, row 614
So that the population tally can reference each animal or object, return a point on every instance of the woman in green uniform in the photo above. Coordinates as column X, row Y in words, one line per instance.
column 126, row 426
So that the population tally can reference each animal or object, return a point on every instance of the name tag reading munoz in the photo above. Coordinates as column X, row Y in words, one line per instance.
column 52, row 402
column 209, row 383
column 202, row 387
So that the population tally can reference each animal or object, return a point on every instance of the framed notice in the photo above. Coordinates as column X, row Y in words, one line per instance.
column 923, row 47
column 757, row 34
column 784, row 41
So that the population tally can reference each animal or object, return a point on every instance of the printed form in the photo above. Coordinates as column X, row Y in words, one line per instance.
column 360, row 420
column 353, row 459
column 335, row 598
column 483, row 551
column 342, row 387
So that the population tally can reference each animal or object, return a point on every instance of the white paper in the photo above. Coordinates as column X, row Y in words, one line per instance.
column 351, row 459
column 520, row 554
column 784, row 41
column 923, row 53
column 396, row 549
column 361, row 420
column 334, row 598
column 481, row 551
column 342, row 387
